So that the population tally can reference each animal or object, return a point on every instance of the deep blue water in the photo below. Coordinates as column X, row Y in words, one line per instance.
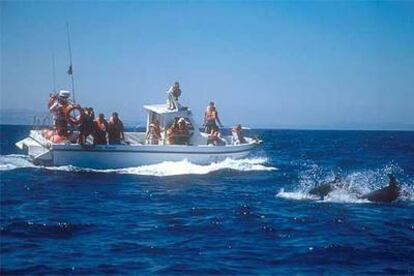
column 235, row 217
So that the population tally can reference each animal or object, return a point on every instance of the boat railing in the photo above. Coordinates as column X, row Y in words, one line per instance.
column 42, row 121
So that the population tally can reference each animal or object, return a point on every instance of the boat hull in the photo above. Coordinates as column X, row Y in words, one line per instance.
column 43, row 152
column 109, row 157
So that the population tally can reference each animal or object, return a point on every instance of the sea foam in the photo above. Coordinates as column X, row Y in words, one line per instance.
column 14, row 161
column 184, row 167
column 356, row 183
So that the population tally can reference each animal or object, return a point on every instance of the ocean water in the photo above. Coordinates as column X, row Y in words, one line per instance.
column 251, row 216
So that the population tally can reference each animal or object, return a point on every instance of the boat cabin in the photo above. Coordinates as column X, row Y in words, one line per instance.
column 166, row 117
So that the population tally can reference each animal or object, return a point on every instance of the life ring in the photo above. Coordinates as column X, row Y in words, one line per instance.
column 72, row 119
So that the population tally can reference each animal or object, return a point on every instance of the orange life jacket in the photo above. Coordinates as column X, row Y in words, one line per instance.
column 211, row 113
column 66, row 107
column 171, row 135
column 156, row 129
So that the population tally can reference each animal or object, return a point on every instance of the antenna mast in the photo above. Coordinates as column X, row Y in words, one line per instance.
column 54, row 72
column 70, row 70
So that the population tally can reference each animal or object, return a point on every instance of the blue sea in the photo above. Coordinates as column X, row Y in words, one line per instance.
column 250, row 216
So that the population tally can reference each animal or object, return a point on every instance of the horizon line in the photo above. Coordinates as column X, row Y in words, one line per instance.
column 271, row 128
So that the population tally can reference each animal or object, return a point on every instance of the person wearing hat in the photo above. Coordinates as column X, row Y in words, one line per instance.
column 211, row 117
column 57, row 104
column 182, row 134
column 153, row 135
column 115, row 130
column 173, row 94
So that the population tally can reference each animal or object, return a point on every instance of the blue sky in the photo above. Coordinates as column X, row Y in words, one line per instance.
column 265, row 64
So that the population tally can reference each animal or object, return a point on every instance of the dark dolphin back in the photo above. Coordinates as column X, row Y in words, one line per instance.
column 325, row 188
column 321, row 190
column 386, row 194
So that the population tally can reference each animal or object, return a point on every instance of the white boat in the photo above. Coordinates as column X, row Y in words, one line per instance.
column 136, row 151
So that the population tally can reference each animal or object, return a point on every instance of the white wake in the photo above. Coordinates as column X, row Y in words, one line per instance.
column 12, row 162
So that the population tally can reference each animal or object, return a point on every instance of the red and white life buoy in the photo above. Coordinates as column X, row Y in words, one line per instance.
column 74, row 119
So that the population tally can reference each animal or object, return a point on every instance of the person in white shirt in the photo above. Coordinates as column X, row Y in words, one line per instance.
column 173, row 94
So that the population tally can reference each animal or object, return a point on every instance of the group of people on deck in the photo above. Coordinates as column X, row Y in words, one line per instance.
column 178, row 132
column 112, row 131
column 211, row 122
column 102, row 131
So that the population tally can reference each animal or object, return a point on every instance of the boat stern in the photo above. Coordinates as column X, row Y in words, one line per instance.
column 38, row 152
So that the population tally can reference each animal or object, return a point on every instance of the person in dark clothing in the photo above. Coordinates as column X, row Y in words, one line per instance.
column 87, row 126
column 115, row 130
column 100, row 130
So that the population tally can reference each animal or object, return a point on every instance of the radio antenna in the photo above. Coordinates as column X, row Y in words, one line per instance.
column 54, row 72
column 70, row 70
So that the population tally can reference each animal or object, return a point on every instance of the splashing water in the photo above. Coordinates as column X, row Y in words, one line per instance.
column 14, row 161
column 11, row 162
column 355, row 184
